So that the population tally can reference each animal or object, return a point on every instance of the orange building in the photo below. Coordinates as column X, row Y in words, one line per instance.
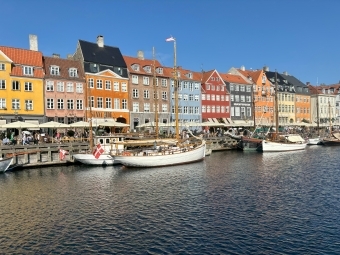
column 107, row 81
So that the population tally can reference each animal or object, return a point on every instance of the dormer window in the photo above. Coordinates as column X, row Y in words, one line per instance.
column 94, row 67
column 189, row 75
column 160, row 70
column 73, row 72
column 147, row 69
column 28, row 70
column 54, row 70
column 178, row 73
column 264, row 78
column 323, row 91
column 135, row 67
column 285, row 81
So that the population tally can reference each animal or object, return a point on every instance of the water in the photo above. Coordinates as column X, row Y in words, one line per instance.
column 230, row 203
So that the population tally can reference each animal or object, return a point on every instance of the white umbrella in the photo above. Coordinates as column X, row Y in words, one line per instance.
column 153, row 124
column 19, row 125
column 211, row 124
column 83, row 124
column 113, row 124
column 53, row 124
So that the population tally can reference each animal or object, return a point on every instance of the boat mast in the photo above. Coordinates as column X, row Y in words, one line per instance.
column 89, row 106
column 276, row 108
column 330, row 117
column 176, row 92
column 317, row 114
column 155, row 91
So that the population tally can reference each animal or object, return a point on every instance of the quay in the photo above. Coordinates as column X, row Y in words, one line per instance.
column 44, row 154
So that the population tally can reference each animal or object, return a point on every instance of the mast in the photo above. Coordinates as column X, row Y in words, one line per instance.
column 176, row 91
column 89, row 106
column 155, row 91
column 276, row 107
column 317, row 114
column 330, row 117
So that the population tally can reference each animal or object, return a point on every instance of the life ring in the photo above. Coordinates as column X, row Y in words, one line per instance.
column 126, row 153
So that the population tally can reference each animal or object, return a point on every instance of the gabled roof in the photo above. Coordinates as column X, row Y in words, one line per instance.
column 207, row 75
column 23, row 56
column 142, row 63
column 106, row 55
column 169, row 72
column 233, row 78
column 255, row 75
column 64, row 66
column 6, row 57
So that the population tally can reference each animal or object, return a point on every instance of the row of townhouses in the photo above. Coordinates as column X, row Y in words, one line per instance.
column 99, row 82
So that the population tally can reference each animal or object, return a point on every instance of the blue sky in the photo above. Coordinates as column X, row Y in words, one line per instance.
column 297, row 36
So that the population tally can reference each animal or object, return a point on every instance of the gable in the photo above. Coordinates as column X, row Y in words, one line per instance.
column 4, row 58
column 108, row 73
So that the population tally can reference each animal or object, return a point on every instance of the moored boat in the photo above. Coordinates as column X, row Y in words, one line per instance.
column 5, row 163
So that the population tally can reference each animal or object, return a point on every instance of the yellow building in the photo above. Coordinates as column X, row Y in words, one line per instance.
column 21, row 84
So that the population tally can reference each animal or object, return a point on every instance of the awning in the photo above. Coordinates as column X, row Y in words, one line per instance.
column 35, row 122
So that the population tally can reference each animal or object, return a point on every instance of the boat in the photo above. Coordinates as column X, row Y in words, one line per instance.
column 334, row 136
column 316, row 140
column 185, row 151
column 250, row 144
column 5, row 163
column 277, row 142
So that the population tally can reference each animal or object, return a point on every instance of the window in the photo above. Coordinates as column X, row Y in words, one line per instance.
column 90, row 83
column 135, row 67
column 248, row 88
column 164, row 108
column 186, row 84
column 243, row 99
column 69, row 87
column 134, row 79
column 79, row 87
column 15, row 104
column 99, row 84
column 185, row 109
column 54, row 70
column 2, row 84
column 146, row 107
column 135, row 93
column 15, row 85
column 185, row 97
column 147, row 69
column 160, row 70
column 232, row 98
column 227, row 98
column 237, row 88
column 212, row 97
column 146, row 80
column 218, row 98
column 2, row 67
column 203, row 96
column 91, row 101
column 2, row 103
column 135, row 107
column 208, row 108
column 108, row 85
column 94, row 68
column 164, row 95
column 70, row 105
column 207, row 86
column 208, row 97
column 116, row 103
column 116, row 86
column 213, row 108
column 204, row 109
column 60, row 103
column 60, row 86
column 79, row 104
column 50, row 103
column 49, row 86
column 191, row 109
column 28, row 70
column 99, row 102
column 108, row 103
column 191, row 86
column 248, row 99
column 237, row 111
column 212, row 87
column 73, row 72
column 197, row 85
column 124, row 104
column 242, row 88
column 237, row 98
column 146, row 94
column 124, row 87
column 28, row 86
column 222, row 98
column 155, row 81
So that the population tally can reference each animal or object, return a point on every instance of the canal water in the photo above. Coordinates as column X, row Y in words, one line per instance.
column 230, row 203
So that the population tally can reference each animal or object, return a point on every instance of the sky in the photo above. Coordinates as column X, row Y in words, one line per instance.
column 300, row 37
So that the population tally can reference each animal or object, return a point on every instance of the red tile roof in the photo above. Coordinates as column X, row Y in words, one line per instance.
column 23, row 56
column 142, row 63
column 255, row 75
column 234, row 78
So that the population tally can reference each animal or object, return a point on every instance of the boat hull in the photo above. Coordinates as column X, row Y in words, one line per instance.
column 269, row 146
column 315, row 141
column 331, row 142
column 89, row 159
column 5, row 164
column 159, row 159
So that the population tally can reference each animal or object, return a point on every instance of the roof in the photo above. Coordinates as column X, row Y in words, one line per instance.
column 296, row 83
column 142, row 63
column 23, row 56
column 64, row 65
column 206, row 75
column 233, row 78
column 255, row 74
column 106, row 55
column 169, row 72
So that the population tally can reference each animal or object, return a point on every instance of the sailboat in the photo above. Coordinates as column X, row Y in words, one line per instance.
column 334, row 136
column 166, row 154
column 282, row 142
column 316, row 140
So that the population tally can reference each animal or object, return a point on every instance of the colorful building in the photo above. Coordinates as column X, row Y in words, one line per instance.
column 64, row 90
column 21, row 83
column 107, row 81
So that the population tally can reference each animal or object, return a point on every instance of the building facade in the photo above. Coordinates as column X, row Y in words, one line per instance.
column 107, row 81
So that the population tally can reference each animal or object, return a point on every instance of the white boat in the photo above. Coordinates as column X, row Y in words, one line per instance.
column 289, row 142
column 167, row 155
column 5, row 163
column 89, row 159
column 315, row 141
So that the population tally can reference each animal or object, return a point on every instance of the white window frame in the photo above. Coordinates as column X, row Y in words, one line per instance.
column 70, row 104
column 124, row 104
column 50, row 103
column 27, row 70
column 79, row 88
column 3, row 103
column 116, row 86
column 107, row 85
column 116, row 103
column 49, row 85
column 124, row 86
column 69, row 87
column 99, row 102
column 60, row 86
column 2, row 84
column 108, row 103
column 73, row 72
column 146, row 80
column 80, row 104
column 135, row 107
column 134, row 79
column 54, row 70
column 28, row 86
column 60, row 103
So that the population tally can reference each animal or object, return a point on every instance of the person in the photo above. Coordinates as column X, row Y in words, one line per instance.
column 23, row 139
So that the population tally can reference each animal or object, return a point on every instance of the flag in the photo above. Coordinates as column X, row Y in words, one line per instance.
column 170, row 39
column 62, row 154
column 98, row 151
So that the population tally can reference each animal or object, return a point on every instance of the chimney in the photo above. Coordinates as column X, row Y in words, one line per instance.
column 307, row 83
column 100, row 41
column 140, row 55
column 55, row 55
column 266, row 68
column 33, row 42
column 285, row 73
column 69, row 56
column 243, row 68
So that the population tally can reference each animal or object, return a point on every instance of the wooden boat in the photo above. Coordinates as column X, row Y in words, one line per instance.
column 169, row 155
column 333, row 140
column 5, row 163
